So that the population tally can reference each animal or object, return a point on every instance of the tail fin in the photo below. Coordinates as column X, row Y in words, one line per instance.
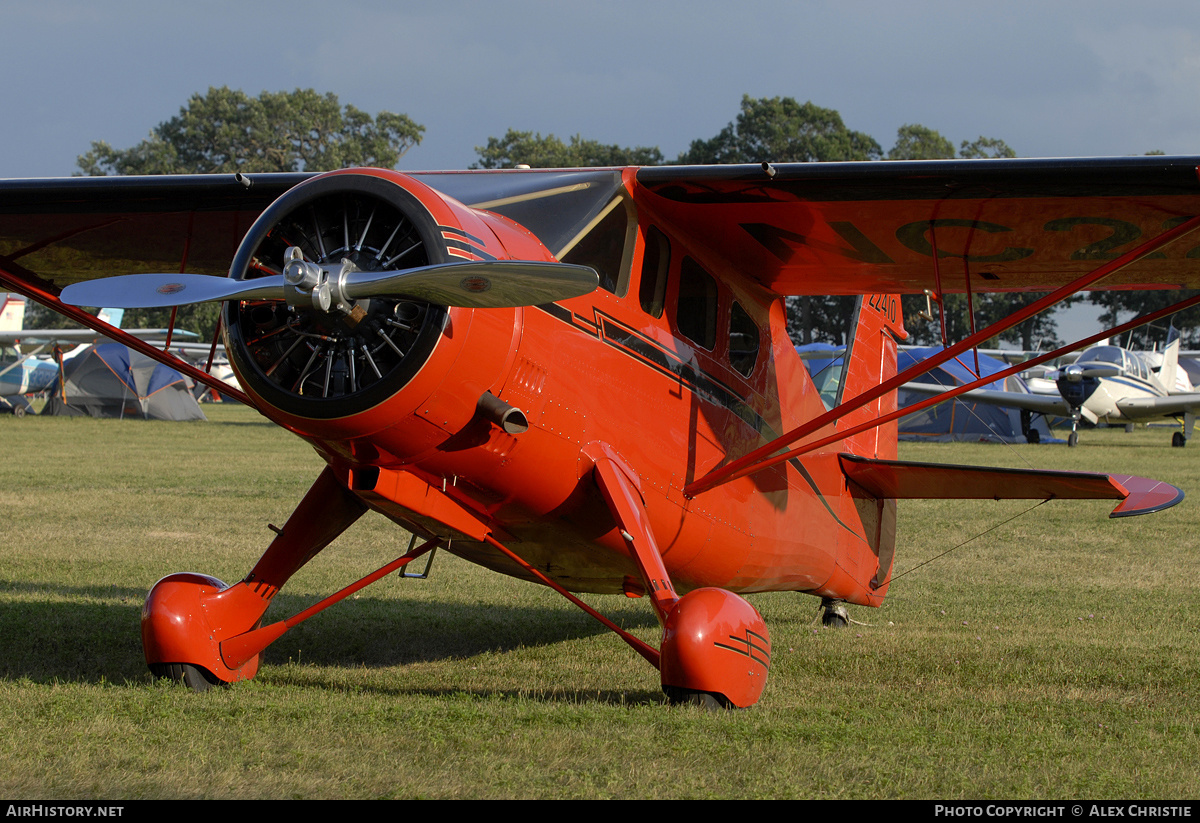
column 871, row 361
column 12, row 313
column 111, row 316
column 1168, row 373
column 865, row 562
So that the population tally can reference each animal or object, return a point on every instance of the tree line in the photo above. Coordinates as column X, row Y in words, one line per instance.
column 227, row 130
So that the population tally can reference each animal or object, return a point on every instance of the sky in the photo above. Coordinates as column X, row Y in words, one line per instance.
column 1051, row 79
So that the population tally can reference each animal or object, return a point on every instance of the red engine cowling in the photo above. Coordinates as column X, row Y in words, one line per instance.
column 337, row 376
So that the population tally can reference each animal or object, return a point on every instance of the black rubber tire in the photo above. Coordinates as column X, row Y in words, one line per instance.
column 709, row 701
column 1178, row 440
column 1072, row 439
column 196, row 678
column 832, row 620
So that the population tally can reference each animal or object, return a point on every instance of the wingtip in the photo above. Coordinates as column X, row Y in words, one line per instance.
column 1146, row 496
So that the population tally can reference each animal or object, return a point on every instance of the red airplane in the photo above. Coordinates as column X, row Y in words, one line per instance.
column 583, row 377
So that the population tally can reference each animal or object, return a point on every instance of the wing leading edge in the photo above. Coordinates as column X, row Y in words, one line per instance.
column 900, row 480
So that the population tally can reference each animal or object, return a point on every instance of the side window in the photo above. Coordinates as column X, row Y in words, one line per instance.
column 696, row 312
column 656, row 260
column 743, row 340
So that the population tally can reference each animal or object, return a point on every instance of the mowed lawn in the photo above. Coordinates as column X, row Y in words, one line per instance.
column 1054, row 656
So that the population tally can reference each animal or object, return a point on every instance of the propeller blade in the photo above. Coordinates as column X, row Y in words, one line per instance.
column 162, row 291
column 484, row 285
column 489, row 284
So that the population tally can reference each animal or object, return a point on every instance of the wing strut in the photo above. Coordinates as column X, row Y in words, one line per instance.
column 761, row 458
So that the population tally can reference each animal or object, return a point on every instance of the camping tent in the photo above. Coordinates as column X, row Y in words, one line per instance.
column 111, row 380
column 959, row 419
column 949, row 421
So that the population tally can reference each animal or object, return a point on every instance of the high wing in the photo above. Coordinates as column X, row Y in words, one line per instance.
column 946, row 226
column 799, row 228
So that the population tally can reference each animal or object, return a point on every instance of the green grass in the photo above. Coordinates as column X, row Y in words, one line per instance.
column 1053, row 657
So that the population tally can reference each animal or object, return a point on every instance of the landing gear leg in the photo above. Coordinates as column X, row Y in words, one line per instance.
column 1073, row 437
column 1032, row 435
column 715, row 647
column 187, row 616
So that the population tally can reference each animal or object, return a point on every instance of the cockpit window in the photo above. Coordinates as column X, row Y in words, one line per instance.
column 606, row 245
column 1106, row 354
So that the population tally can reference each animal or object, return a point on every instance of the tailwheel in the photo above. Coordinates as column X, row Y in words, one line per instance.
column 834, row 614
column 196, row 678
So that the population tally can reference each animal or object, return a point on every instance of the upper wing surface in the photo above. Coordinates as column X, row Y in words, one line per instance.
column 999, row 225
column 804, row 228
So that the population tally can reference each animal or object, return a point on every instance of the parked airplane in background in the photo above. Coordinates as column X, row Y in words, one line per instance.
column 583, row 377
column 1106, row 384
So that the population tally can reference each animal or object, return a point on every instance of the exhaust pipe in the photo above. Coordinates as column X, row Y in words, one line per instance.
column 509, row 418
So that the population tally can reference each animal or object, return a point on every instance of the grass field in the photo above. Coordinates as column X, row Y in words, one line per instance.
column 1053, row 657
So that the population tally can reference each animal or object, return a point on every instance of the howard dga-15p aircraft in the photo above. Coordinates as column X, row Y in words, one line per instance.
column 582, row 377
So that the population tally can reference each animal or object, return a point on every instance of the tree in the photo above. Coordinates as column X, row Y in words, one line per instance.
column 985, row 147
column 916, row 142
column 781, row 130
column 528, row 149
column 1124, row 305
column 1038, row 333
column 228, row 131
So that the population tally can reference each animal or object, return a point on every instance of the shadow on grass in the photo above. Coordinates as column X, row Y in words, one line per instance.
column 313, row 678
column 59, row 638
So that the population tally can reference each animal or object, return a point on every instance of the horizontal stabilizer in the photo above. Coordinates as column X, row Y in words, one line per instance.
column 901, row 480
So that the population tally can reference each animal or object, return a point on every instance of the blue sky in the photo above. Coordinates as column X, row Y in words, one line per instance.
column 1052, row 79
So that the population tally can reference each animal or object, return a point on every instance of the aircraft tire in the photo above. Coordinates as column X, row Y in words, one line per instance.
column 709, row 701
column 18, row 411
column 194, row 677
column 1178, row 440
column 833, row 620
column 834, row 614
column 1073, row 439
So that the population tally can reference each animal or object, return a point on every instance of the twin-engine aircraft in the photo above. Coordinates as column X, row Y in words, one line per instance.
column 582, row 377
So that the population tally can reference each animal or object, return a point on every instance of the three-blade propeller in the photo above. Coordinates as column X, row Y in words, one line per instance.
column 485, row 285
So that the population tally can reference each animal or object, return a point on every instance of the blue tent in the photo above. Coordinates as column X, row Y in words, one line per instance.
column 960, row 419
column 949, row 421
column 110, row 380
